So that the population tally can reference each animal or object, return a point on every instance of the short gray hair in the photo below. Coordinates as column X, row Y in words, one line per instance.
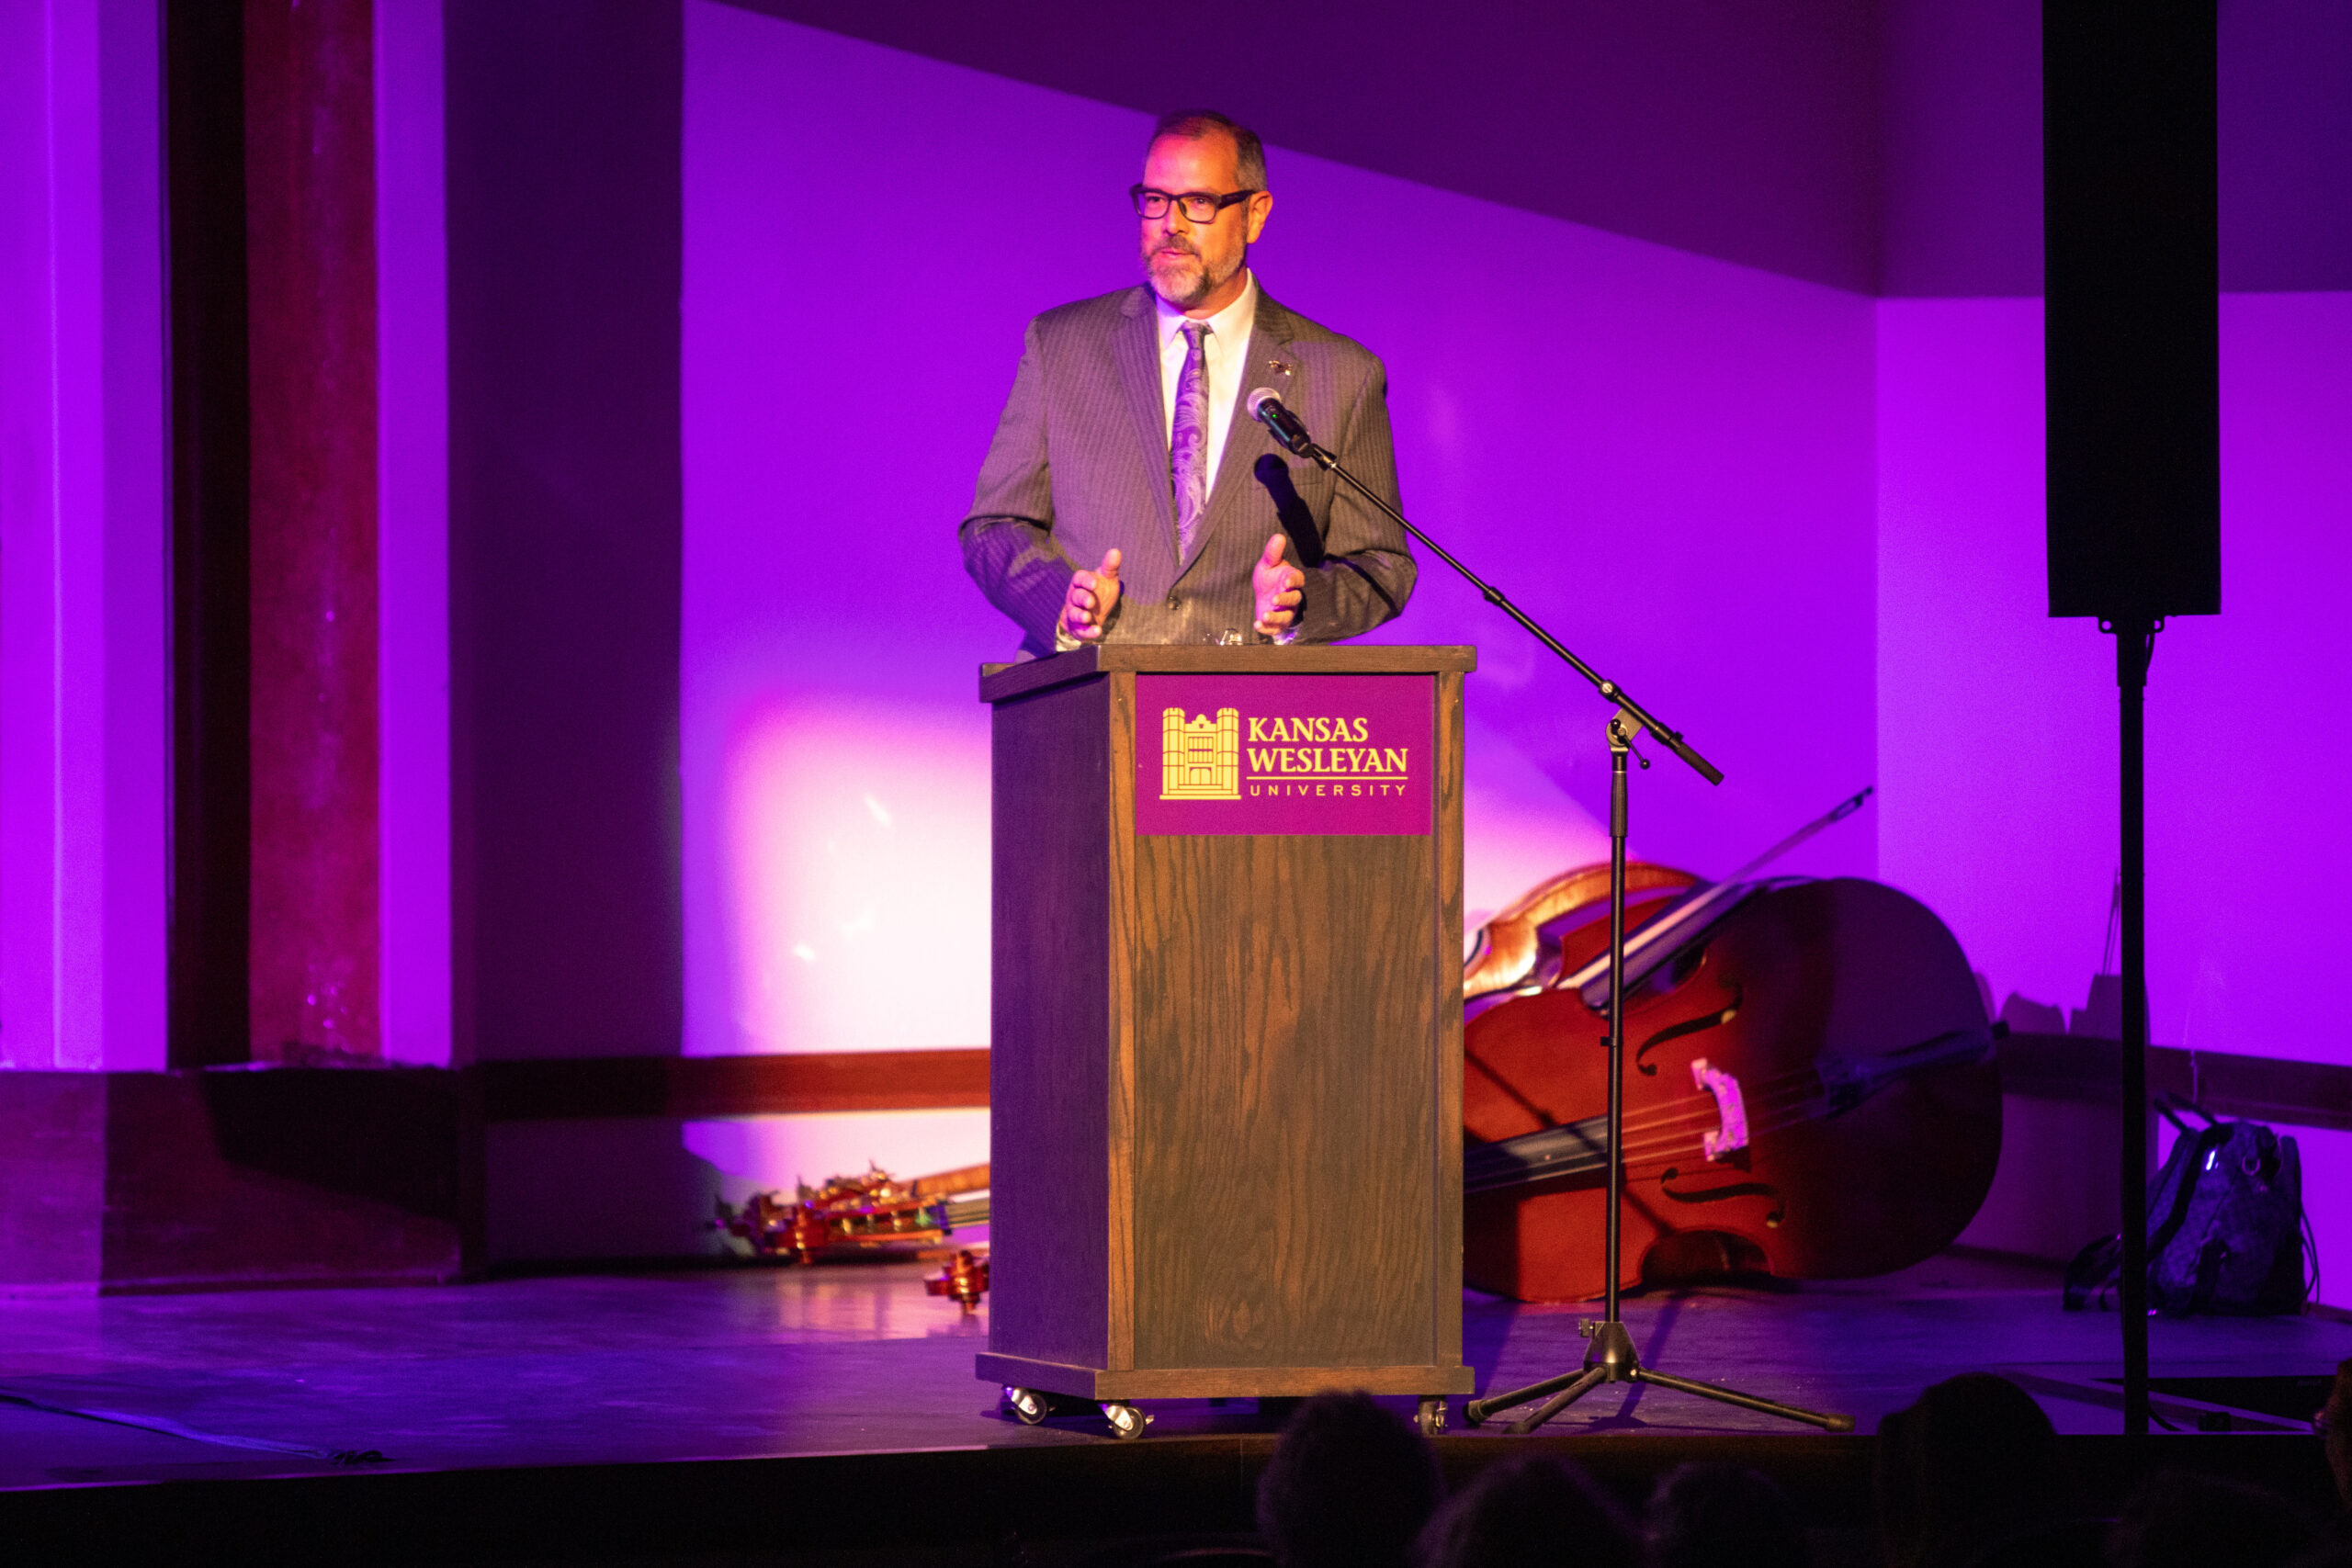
column 1191, row 125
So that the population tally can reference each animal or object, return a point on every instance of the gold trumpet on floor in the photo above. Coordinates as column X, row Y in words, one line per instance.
column 869, row 1215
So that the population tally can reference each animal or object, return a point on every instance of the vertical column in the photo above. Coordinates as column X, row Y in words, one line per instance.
column 565, row 519
column 412, row 532
column 136, row 540
column 310, row 269
column 46, row 431
column 211, row 636
column 81, row 540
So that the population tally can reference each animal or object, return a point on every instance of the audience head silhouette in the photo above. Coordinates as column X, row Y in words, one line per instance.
column 1350, row 1486
column 2180, row 1521
column 1972, row 1463
column 2335, row 1419
column 1532, row 1511
column 1715, row 1515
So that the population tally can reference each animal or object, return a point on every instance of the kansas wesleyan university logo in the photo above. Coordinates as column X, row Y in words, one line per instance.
column 1284, row 754
column 1200, row 760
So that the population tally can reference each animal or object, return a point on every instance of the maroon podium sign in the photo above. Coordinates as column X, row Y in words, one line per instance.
column 1220, row 754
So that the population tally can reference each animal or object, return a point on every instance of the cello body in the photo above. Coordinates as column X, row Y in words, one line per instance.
column 1810, row 1092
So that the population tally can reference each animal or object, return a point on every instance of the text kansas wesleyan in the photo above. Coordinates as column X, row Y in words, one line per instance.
column 1327, row 761
column 1309, row 731
column 1308, row 752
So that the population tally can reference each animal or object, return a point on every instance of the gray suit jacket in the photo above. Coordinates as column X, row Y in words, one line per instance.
column 1080, row 464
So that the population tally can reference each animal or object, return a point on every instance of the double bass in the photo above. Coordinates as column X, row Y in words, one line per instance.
column 1811, row 1090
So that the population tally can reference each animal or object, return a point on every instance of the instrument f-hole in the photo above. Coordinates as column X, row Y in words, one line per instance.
column 1677, row 1030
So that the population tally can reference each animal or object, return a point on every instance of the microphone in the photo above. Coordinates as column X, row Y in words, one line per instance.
column 1266, row 408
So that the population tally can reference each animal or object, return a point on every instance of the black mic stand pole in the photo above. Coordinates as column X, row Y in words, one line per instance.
column 1613, row 1358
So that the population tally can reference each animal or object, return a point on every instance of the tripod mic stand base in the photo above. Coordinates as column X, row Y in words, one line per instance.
column 1612, row 1359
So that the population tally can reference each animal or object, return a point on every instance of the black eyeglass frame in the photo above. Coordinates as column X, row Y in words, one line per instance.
column 1141, row 195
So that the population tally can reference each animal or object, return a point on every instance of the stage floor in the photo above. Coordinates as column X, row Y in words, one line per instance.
column 755, row 1363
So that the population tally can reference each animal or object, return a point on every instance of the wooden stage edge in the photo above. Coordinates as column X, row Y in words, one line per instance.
column 569, row 1088
column 1219, row 1383
column 211, row 1178
column 2039, row 1067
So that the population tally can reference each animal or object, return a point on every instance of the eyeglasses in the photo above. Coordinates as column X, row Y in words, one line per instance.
column 1200, row 206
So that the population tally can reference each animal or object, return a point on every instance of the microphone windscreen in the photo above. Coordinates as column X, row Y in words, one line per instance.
column 1258, row 400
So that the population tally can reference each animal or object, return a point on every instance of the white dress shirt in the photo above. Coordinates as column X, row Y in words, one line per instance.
column 1226, row 353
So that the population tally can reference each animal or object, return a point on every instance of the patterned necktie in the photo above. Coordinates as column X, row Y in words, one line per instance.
column 1188, row 443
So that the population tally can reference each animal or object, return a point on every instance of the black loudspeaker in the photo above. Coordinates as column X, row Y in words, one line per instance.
column 2131, row 324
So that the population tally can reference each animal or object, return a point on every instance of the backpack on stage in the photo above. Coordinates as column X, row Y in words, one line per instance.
column 2226, row 1228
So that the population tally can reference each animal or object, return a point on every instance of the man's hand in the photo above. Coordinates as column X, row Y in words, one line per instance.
column 1278, row 586
column 1093, row 595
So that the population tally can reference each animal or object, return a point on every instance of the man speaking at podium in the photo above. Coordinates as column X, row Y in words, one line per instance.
column 1129, row 497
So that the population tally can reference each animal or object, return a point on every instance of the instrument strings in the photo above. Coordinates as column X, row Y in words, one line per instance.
column 1683, row 1124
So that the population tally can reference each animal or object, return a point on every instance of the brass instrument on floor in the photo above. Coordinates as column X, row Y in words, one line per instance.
column 965, row 1282
column 848, row 1216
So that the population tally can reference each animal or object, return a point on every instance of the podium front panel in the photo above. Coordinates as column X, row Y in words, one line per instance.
column 1225, row 1067
column 1284, row 1003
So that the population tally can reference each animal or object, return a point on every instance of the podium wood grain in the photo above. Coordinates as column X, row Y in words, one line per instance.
column 1279, row 1204
column 1225, row 1080
column 1049, row 1222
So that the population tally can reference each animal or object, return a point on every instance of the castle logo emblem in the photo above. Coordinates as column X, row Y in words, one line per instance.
column 1200, row 759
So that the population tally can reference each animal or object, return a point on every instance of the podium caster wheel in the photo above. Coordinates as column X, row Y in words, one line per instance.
column 1430, row 1417
column 1028, row 1407
column 1126, row 1422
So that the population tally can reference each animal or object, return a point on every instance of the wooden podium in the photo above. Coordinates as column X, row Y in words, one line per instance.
column 1226, row 1074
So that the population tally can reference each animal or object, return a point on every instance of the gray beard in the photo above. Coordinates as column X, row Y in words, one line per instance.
column 1161, row 284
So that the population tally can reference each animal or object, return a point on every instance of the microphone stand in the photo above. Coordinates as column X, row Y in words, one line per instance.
column 1612, row 1357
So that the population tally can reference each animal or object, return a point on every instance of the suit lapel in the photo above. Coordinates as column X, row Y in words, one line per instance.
column 1139, row 357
